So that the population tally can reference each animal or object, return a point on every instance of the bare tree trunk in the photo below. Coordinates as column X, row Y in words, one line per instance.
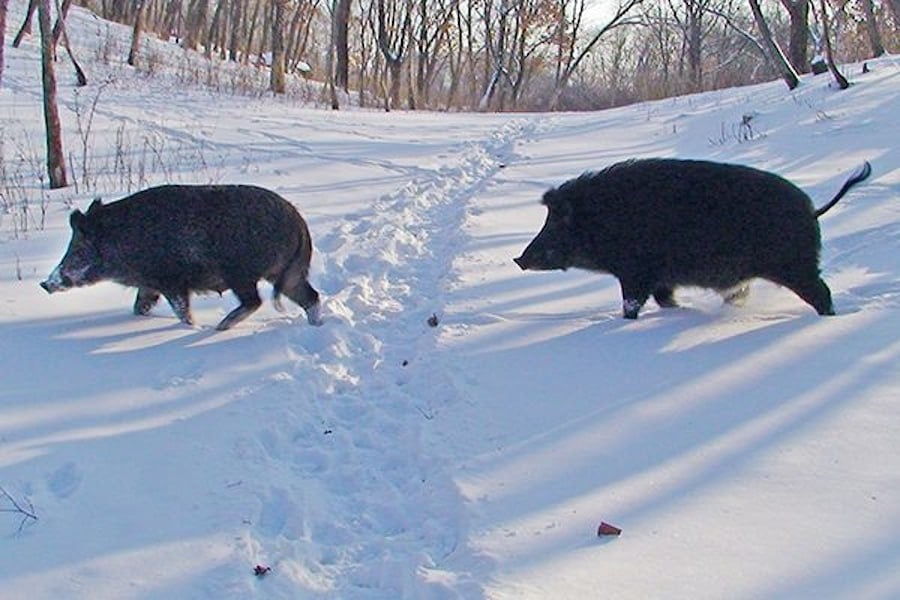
column 392, row 40
column 251, row 29
column 61, row 14
column 26, row 25
column 237, row 33
column 3, row 7
column 56, row 163
column 341, row 44
column 872, row 29
column 213, row 34
column 895, row 10
column 496, row 34
column 278, row 83
column 196, row 24
column 775, row 54
column 618, row 19
column 329, row 58
column 266, row 31
column 395, row 74
column 59, row 31
column 456, row 58
column 172, row 21
column 137, row 31
column 798, row 44
column 829, row 53
column 298, row 40
column 693, row 36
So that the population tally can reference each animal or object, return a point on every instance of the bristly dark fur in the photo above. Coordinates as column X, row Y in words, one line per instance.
column 176, row 239
column 657, row 224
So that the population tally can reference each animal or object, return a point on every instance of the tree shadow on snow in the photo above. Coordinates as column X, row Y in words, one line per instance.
column 629, row 419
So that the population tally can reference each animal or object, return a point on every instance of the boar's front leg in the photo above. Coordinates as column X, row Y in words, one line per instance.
column 250, row 301
column 145, row 300
column 635, row 291
column 181, row 306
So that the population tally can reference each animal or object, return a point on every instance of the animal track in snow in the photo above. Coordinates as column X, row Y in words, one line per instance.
column 65, row 480
column 358, row 439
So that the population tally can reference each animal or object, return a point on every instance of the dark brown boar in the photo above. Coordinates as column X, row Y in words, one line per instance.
column 176, row 239
column 657, row 224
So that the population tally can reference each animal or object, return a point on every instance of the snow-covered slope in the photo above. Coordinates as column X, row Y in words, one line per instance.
column 456, row 428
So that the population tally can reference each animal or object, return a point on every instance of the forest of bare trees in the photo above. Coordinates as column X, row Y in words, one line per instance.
column 500, row 55
column 487, row 55
column 506, row 55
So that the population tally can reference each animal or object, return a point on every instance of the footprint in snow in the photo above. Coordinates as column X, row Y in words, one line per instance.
column 180, row 374
column 65, row 481
column 280, row 515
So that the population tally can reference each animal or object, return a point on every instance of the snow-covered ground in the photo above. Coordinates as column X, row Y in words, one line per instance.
column 746, row 452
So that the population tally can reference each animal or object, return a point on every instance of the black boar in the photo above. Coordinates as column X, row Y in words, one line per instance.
column 176, row 239
column 656, row 224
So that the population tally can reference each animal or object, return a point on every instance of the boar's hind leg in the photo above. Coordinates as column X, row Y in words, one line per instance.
column 665, row 297
column 817, row 295
column 181, row 306
column 812, row 289
column 145, row 300
column 250, row 301
column 293, row 284
column 306, row 296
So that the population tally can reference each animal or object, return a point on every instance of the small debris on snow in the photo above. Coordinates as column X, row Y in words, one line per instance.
column 261, row 571
column 606, row 529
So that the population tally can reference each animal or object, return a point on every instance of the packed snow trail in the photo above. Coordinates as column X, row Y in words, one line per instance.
column 350, row 444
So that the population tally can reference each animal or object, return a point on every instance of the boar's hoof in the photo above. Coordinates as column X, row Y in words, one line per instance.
column 631, row 308
column 314, row 314
column 236, row 316
column 665, row 297
column 181, row 306
column 145, row 300
column 737, row 296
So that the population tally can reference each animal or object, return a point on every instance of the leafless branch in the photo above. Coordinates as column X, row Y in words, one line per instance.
column 17, row 508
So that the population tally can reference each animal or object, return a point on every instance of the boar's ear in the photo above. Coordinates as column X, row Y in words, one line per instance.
column 76, row 220
column 82, row 222
column 558, row 205
column 95, row 206
column 79, row 222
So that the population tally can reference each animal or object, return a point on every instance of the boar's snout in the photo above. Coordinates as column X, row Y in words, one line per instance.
column 56, row 281
column 539, row 257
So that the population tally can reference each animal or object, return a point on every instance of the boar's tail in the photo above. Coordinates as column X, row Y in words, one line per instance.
column 861, row 173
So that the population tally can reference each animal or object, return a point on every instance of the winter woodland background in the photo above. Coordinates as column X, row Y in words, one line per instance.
column 456, row 429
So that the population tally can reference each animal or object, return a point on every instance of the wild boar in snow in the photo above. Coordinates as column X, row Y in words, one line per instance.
column 657, row 224
column 176, row 239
